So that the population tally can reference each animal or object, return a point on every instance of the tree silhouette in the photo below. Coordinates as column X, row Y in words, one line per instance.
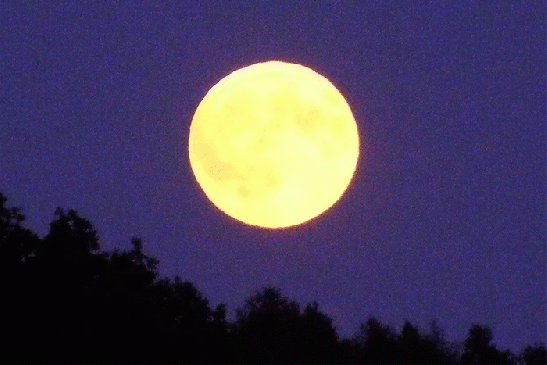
column 270, row 328
column 437, row 350
column 377, row 343
column 69, row 297
column 17, row 246
column 320, row 341
column 536, row 354
column 63, row 300
column 17, row 243
column 411, row 345
column 266, row 328
column 478, row 349
column 413, row 348
column 190, row 316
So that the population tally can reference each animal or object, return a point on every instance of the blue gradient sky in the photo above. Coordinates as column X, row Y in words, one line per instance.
column 445, row 218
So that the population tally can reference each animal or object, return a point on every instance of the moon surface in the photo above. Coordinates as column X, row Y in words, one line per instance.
column 273, row 144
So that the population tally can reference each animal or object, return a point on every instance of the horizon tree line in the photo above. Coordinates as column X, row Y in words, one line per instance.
column 63, row 300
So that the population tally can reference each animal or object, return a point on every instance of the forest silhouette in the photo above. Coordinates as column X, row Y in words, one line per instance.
column 63, row 300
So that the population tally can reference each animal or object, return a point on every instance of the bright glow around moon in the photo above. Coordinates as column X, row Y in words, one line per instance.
column 273, row 144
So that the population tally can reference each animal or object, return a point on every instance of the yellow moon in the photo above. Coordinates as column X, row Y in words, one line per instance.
column 273, row 144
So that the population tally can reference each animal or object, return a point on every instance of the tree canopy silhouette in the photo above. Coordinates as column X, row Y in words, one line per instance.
column 536, row 354
column 65, row 300
column 478, row 349
column 271, row 328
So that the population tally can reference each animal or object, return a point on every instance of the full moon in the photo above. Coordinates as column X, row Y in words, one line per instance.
column 273, row 144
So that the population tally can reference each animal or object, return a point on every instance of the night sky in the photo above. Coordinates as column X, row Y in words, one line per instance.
column 446, row 215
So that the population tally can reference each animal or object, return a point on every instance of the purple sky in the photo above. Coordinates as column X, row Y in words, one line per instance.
column 445, row 218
